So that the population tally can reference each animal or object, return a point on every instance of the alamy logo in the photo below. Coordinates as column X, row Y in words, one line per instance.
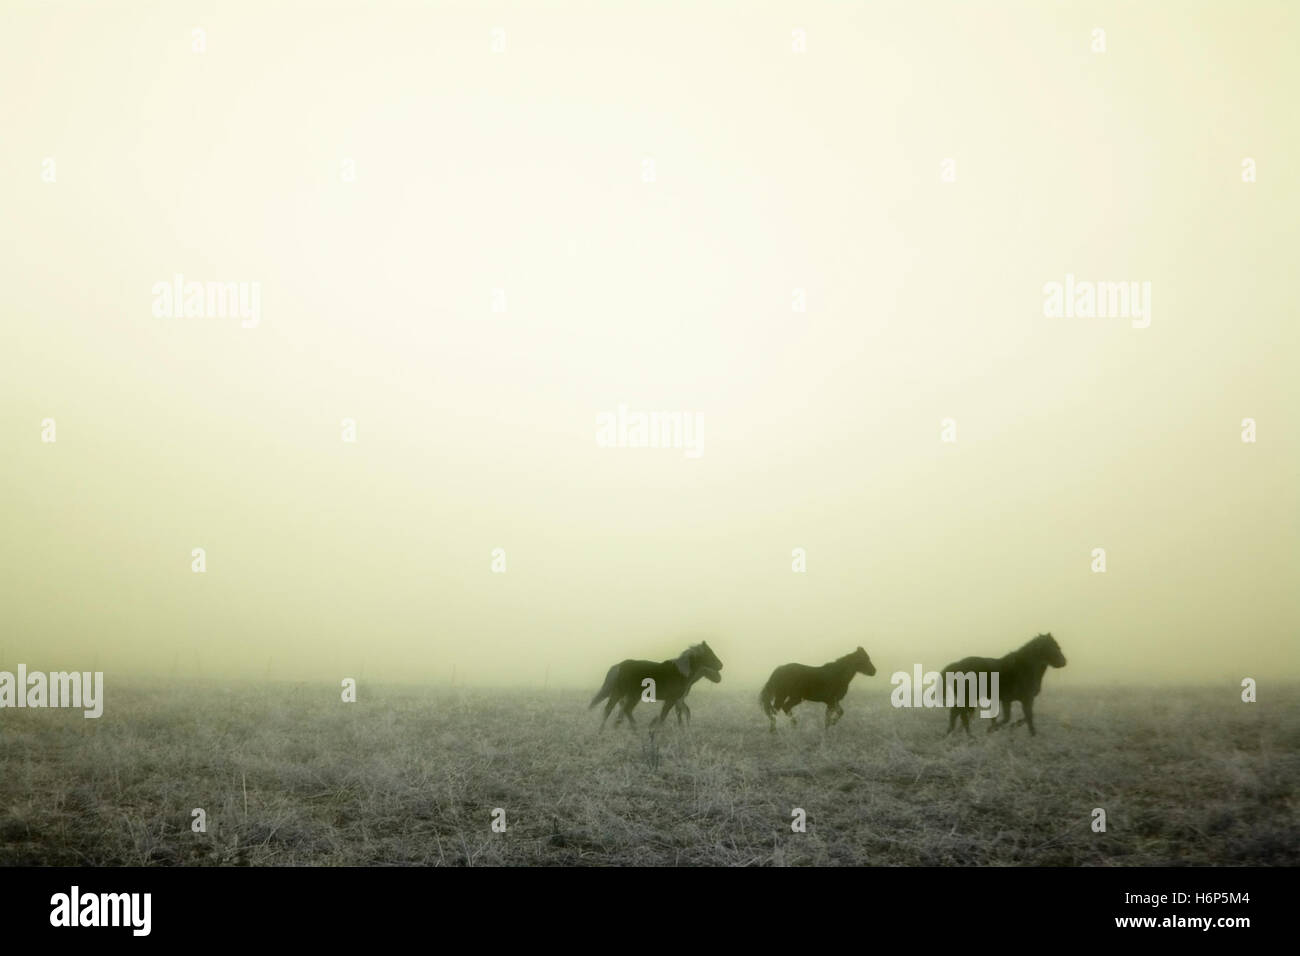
column 1098, row 300
column 953, row 689
column 208, row 300
column 102, row 909
column 56, row 689
column 630, row 429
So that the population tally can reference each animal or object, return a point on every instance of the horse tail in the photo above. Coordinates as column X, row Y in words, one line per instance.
column 765, row 698
column 608, row 688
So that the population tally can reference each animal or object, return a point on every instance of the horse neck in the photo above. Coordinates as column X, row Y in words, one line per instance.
column 1038, row 658
column 1034, row 664
column 844, row 669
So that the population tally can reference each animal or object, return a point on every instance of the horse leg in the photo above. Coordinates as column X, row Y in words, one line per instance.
column 778, row 701
column 609, row 708
column 833, row 714
column 683, row 709
column 1028, row 706
column 965, row 721
column 952, row 719
column 1023, row 715
column 628, row 703
column 663, row 714
column 830, row 712
column 1000, row 720
column 789, row 705
column 1003, row 718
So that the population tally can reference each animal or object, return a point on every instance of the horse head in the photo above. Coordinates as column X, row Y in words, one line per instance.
column 862, row 662
column 1050, row 650
column 707, row 658
column 700, row 657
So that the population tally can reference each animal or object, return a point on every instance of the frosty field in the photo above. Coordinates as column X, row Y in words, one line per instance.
column 290, row 775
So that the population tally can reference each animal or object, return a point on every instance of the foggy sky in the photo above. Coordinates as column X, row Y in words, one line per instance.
column 774, row 171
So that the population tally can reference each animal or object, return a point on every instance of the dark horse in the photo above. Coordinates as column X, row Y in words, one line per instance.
column 792, row 683
column 672, row 679
column 1020, row 677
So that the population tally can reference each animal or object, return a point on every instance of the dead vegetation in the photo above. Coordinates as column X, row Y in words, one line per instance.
column 289, row 775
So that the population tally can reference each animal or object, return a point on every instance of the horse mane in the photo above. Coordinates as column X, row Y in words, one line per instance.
column 1034, row 648
column 689, row 656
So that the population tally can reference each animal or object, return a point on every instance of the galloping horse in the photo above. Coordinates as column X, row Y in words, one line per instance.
column 1020, row 676
column 672, row 679
column 793, row 683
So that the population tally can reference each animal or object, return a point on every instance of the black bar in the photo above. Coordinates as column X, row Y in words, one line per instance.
column 928, row 906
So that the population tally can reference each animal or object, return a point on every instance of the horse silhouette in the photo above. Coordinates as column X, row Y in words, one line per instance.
column 624, row 683
column 1020, row 677
column 791, row 684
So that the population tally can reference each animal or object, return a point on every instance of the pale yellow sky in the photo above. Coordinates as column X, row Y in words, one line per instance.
column 522, row 170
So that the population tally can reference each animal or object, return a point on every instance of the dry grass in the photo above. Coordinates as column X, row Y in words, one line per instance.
column 290, row 775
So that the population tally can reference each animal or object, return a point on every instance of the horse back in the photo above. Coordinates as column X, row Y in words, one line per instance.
column 805, row 681
column 790, row 675
column 1016, row 679
column 977, row 664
